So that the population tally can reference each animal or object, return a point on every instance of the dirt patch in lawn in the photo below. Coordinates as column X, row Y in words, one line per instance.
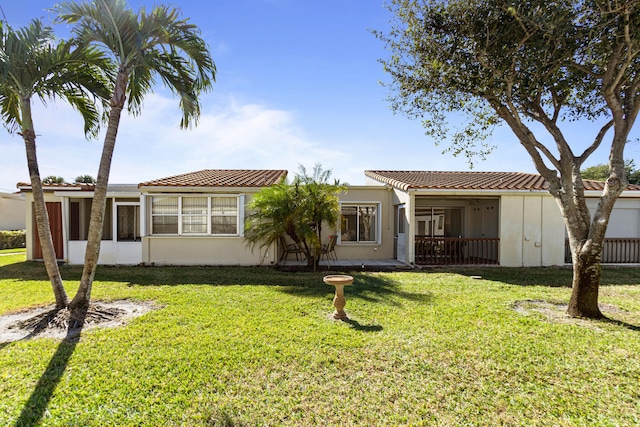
column 64, row 324
column 557, row 312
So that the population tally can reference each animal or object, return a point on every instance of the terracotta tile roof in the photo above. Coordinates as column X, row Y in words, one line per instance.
column 406, row 180
column 221, row 178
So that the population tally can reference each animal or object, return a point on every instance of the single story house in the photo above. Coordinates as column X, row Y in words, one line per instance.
column 12, row 211
column 415, row 217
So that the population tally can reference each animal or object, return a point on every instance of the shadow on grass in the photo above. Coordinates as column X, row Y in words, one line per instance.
column 38, row 401
column 366, row 286
column 521, row 276
column 24, row 270
column 622, row 323
column 546, row 276
column 164, row 275
column 364, row 328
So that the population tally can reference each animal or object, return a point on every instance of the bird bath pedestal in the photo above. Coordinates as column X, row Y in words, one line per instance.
column 339, row 282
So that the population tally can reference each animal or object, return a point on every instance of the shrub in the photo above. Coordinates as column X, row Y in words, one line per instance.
column 12, row 239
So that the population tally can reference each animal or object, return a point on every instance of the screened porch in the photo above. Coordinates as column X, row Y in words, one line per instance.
column 456, row 232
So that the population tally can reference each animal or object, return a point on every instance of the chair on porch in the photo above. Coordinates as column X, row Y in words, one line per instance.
column 328, row 251
column 289, row 248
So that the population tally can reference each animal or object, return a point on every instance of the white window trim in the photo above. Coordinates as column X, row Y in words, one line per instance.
column 239, row 215
column 378, row 240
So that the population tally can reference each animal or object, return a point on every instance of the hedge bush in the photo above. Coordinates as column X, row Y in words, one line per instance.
column 12, row 239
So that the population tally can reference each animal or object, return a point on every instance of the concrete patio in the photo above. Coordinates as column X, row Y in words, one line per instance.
column 347, row 265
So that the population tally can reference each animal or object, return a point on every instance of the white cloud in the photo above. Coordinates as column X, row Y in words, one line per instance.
column 230, row 135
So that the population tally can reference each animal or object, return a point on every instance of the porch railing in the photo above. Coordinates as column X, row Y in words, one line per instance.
column 614, row 251
column 456, row 251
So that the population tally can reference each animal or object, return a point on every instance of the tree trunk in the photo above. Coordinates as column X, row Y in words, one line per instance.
column 42, row 217
column 98, row 206
column 586, row 280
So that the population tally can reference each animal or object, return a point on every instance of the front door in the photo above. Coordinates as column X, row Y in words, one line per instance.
column 54, row 210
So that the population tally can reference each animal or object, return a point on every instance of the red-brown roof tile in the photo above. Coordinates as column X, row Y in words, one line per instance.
column 221, row 178
column 406, row 180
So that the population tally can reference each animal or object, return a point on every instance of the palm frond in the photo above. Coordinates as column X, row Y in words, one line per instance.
column 35, row 64
column 149, row 44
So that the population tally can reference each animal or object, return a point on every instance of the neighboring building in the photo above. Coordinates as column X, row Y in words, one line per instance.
column 12, row 211
column 503, row 218
column 416, row 217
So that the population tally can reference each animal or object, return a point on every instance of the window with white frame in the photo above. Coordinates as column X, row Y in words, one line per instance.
column 195, row 215
column 360, row 222
column 164, row 214
column 195, row 211
column 224, row 215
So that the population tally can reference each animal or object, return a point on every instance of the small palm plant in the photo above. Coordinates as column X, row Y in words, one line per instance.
column 298, row 210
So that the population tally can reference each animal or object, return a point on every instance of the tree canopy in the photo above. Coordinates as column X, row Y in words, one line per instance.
column 600, row 172
column 84, row 179
column 52, row 179
column 533, row 66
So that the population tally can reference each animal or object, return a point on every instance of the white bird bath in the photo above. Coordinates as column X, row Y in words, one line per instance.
column 339, row 281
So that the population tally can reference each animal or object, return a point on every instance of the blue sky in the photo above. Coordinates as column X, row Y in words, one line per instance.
column 298, row 83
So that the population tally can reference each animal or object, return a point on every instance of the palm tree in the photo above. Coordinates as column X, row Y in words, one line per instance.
column 143, row 46
column 84, row 179
column 52, row 179
column 297, row 210
column 34, row 64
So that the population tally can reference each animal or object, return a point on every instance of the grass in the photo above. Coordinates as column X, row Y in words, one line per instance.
column 253, row 347
column 13, row 251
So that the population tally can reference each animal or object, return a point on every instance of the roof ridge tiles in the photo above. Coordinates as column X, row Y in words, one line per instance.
column 220, row 178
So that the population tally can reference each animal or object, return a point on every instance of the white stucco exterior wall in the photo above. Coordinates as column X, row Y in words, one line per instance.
column 625, row 217
column 12, row 212
column 531, row 231
column 204, row 250
column 511, row 230
column 553, row 232
column 532, row 224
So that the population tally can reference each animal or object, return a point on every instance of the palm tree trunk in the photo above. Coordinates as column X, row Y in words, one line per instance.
column 42, row 217
column 99, row 204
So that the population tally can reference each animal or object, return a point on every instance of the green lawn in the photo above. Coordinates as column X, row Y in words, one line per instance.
column 13, row 251
column 253, row 346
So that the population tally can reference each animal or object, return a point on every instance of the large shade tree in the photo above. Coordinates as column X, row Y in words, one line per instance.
column 298, row 210
column 145, row 46
column 533, row 66
column 34, row 65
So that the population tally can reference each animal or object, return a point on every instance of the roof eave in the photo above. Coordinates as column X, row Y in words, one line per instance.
column 473, row 191
column 196, row 189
